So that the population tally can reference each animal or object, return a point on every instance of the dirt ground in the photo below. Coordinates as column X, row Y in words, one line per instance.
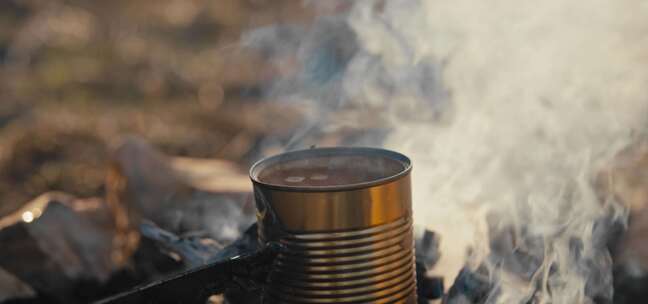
column 78, row 76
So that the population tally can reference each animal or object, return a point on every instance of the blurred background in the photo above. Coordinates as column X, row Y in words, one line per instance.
column 78, row 75
column 127, row 128
column 93, row 96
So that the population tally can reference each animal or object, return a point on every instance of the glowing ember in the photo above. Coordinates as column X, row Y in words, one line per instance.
column 27, row 216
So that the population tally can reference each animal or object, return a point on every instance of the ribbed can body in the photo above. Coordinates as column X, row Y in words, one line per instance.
column 348, row 240
column 373, row 265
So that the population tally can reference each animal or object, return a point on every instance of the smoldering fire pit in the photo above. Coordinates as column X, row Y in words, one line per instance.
column 334, row 226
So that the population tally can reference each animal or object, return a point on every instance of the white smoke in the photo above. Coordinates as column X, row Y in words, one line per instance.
column 507, row 108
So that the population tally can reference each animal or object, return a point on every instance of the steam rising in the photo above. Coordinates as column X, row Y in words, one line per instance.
column 507, row 109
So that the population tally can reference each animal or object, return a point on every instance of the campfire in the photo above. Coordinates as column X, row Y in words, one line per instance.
column 400, row 151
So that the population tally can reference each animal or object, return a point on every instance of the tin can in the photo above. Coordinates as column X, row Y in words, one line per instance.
column 344, row 217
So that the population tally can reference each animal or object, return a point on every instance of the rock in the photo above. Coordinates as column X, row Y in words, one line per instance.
column 470, row 286
column 13, row 288
column 627, row 177
column 56, row 241
column 192, row 251
column 626, row 180
column 141, row 179
column 179, row 194
column 427, row 247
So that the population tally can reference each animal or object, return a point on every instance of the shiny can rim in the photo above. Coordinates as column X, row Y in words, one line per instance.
column 333, row 151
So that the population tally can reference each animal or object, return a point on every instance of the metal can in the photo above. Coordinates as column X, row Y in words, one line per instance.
column 344, row 217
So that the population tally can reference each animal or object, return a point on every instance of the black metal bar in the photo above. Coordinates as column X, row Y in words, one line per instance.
column 244, row 272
